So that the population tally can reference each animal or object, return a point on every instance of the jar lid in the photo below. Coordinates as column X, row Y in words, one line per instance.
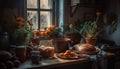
column 20, row 46
column 35, row 52
column 5, row 33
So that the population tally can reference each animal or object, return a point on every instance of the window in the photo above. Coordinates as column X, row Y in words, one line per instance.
column 40, row 12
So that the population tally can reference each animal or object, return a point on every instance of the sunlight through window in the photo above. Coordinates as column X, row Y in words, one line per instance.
column 40, row 13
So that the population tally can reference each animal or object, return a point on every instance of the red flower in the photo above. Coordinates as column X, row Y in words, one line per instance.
column 20, row 22
column 19, row 19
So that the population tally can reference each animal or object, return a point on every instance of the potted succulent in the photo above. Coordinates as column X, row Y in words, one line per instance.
column 90, row 30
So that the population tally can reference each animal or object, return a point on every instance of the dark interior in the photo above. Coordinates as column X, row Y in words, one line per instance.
column 66, row 13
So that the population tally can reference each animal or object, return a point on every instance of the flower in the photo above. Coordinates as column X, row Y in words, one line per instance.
column 71, row 31
column 50, row 32
column 98, row 13
column 70, row 25
column 23, row 31
column 20, row 21
column 70, row 28
column 113, row 27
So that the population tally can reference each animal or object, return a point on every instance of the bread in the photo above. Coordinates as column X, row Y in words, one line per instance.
column 85, row 48
column 46, row 51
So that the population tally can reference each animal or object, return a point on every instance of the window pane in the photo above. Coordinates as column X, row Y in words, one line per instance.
column 31, row 3
column 45, row 19
column 45, row 4
column 33, row 17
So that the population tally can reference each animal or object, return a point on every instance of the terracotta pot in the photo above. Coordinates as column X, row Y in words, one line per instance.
column 91, row 41
column 74, row 38
column 61, row 44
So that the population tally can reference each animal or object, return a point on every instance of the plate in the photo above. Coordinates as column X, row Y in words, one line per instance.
column 64, row 57
column 88, row 52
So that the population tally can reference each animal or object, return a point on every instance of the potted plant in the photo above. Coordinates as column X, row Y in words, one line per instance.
column 23, row 32
column 51, row 32
column 70, row 31
column 20, row 36
column 90, row 30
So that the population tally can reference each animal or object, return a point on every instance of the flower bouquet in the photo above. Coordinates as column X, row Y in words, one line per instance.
column 23, row 31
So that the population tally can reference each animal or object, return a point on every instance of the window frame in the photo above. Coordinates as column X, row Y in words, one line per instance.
column 38, row 9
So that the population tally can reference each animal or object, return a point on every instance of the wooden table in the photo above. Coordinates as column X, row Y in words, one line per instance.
column 53, row 63
column 58, row 63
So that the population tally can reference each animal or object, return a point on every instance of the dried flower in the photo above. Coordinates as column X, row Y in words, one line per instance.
column 70, row 25
column 30, row 23
column 98, row 13
column 113, row 22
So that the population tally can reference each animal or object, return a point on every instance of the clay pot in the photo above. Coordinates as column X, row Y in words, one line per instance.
column 75, row 38
column 91, row 41
column 61, row 44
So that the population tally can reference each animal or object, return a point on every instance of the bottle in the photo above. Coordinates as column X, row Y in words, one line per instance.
column 4, row 41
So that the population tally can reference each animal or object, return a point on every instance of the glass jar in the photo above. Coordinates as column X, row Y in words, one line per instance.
column 47, row 52
column 35, row 57
column 46, row 48
column 20, row 52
